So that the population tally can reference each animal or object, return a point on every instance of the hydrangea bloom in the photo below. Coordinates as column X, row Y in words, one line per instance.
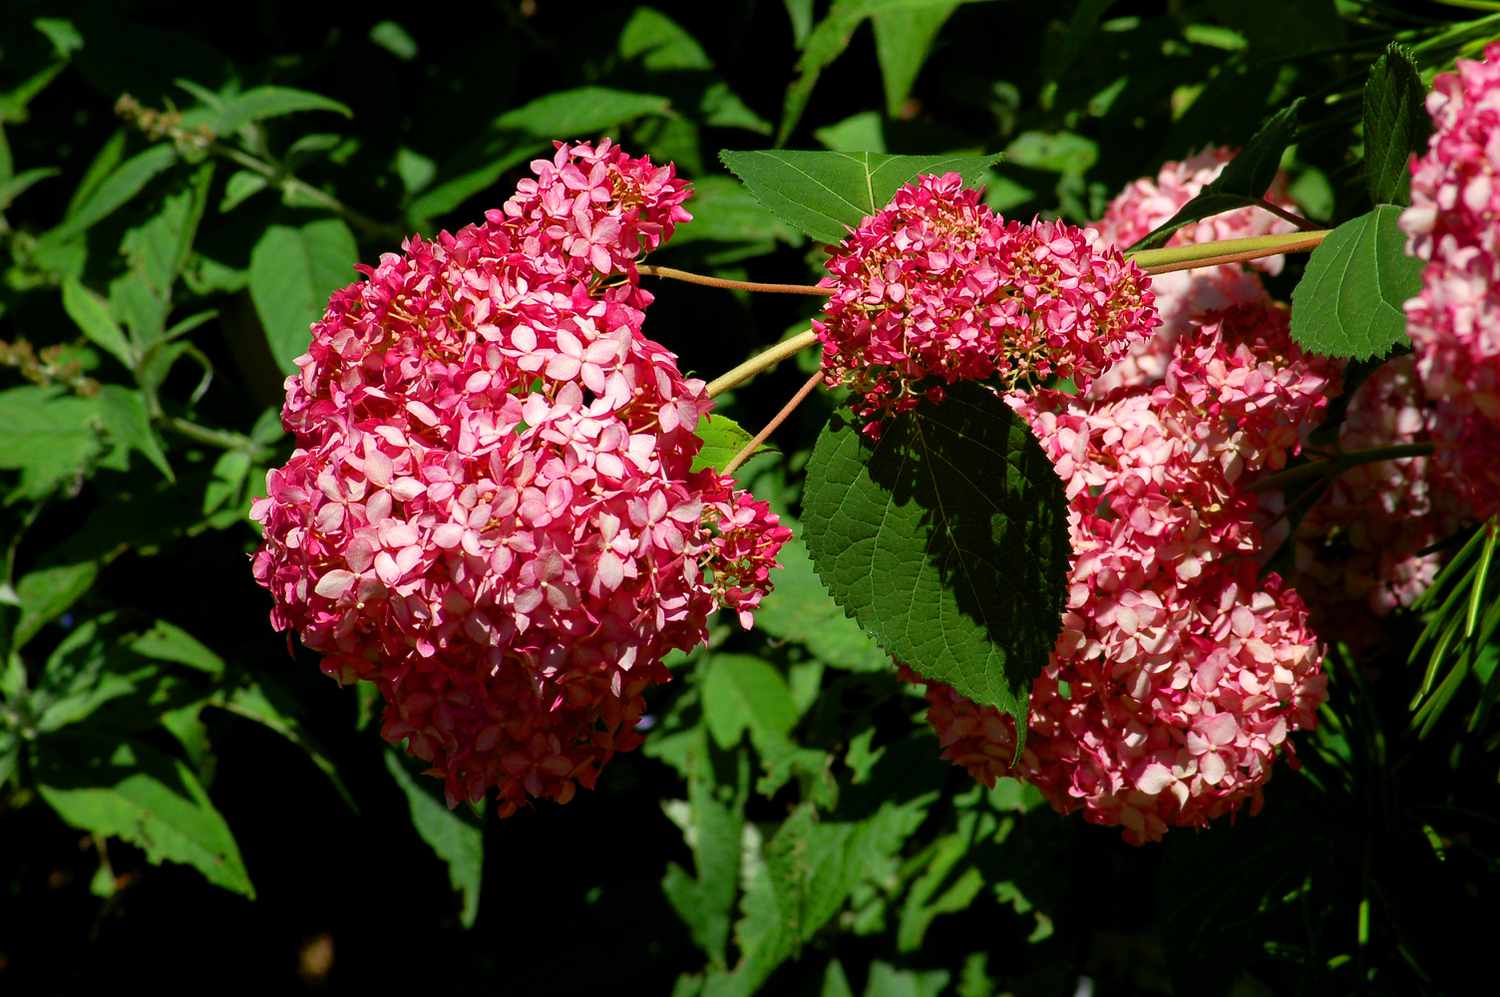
column 1454, row 322
column 1358, row 546
column 491, row 512
column 1183, row 672
column 936, row 288
column 1184, row 295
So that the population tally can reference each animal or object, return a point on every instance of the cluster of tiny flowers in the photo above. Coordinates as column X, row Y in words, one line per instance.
column 1178, row 673
column 491, row 512
column 1454, row 322
column 1359, row 548
column 1184, row 295
column 935, row 288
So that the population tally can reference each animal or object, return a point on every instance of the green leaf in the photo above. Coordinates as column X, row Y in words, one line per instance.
column 134, row 792
column 518, row 134
column 1396, row 124
column 743, row 693
column 826, row 193
column 165, row 641
column 77, row 679
column 292, row 273
column 947, row 540
column 10, row 755
column 260, row 103
column 266, row 704
column 724, row 211
column 124, row 415
column 91, row 314
column 394, row 39
column 1349, row 300
column 903, row 39
column 51, row 437
column 722, row 438
column 714, row 830
column 241, row 185
column 46, row 594
column 453, row 834
column 13, row 187
column 119, row 186
column 1245, row 179
column 801, row 610
column 226, row 479
column 888, row 981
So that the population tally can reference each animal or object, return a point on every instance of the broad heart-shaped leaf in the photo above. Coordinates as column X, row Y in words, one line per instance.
column 947, row 540
column 1245, row 179
column 801, row 610
column 742, row 692
column 826, row 193
column 453, row 835
column 50, row 436
column 292, row 273
column 134, row 792
column 1349, row 300
column 1396, row 124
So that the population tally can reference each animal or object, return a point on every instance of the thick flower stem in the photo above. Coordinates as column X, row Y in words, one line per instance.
column 1302, row 223
column 687, row 276
column 1211, row 254
column 219, row 438
column 761, row 362
column 776, row 420
column 1338, row 465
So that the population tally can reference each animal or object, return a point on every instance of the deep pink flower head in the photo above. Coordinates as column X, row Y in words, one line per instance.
column 935, row 288
column 491, row 512
column 1183, row 671
column 1184, row 295
column 1358, row 547
column 1454, row 322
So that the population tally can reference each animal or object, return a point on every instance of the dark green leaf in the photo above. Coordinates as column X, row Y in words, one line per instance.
column 260, row 103
column 267, row 705
column 801, row 610
column 713, row 828
column 46, row 594
column 1396, row 124
column 454, row 835
column 124, row 415
column 292, row 273
column 240, row 186
column 1244, row 180
column 724, row 211
column 947, row 540
column 156, row 251
column 1349, row 300
column 394, row 39
column 13, row 187
column 123, row 182
column 888, row 981
column 826, row 193
column 165, row 641
column 134, row 792
column 743, row 693
column 78, row 679
column 903, row 39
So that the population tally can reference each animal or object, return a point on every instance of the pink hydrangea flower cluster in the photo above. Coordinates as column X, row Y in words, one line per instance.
column 1358, row 548
column 1184, row 295
column 491, row 512
column 935, row 288
column 1454, row 322
column 1178, row 674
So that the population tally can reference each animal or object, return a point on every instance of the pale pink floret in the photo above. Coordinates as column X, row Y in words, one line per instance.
column 1185, row 295
column 1359, row 548
column 1454, row 322
column 491, row 512
column 1184, row 673
column 935, row 288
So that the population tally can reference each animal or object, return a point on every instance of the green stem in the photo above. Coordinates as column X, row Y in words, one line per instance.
column 1340, row 464
column 1210, row 254
column 761, row 362
column 1291, row 216
column 220, row 438
column 287, row 183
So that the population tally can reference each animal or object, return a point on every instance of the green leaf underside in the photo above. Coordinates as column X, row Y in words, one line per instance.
column 947, row 541
column 1396, row 124
column 452, row 835
column 826, row 193
column 1349, row 301
column 134, row 792
column 1245, row 179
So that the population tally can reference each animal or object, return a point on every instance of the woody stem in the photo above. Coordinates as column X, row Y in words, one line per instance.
column 776, row 420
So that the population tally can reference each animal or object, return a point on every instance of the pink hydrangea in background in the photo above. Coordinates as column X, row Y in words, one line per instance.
column 1454, row 322
column 1358, row 546
column 1183, row 295
column 491, row 512
column 935, row 288
column 1178, row 673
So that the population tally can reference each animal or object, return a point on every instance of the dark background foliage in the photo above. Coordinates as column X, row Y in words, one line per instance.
column 1370, row 869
